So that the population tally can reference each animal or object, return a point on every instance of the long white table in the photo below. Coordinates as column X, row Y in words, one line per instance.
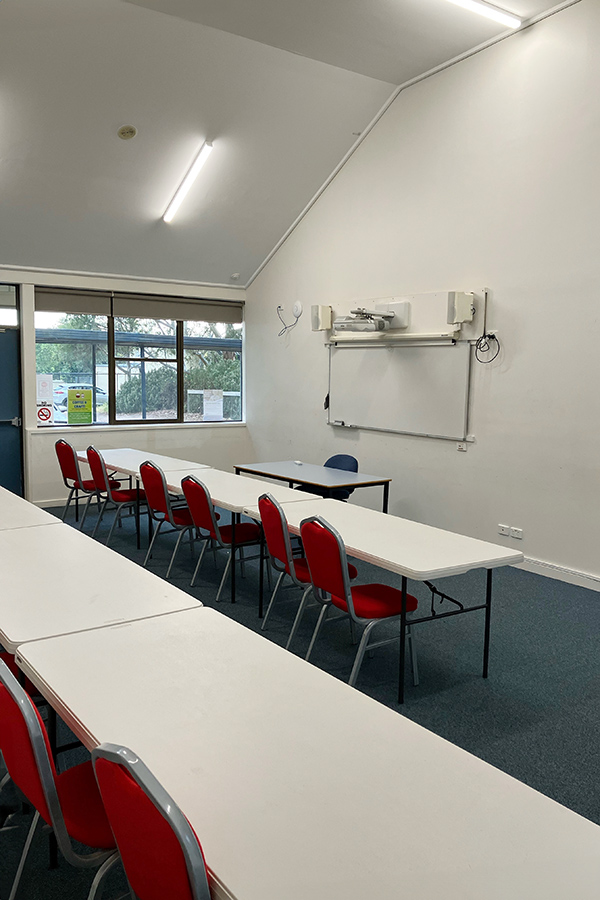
column 410, row 549
column 15, row 512
column 57, row 580
column 301, row 787
column 128, row 461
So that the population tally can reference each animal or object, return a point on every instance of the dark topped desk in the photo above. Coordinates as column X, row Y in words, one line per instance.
column 307, row 475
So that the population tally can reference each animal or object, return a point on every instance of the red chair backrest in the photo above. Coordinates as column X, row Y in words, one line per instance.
column 67, row 460
column 200, row 505
column 275, row 527
column 98, row 468
column 155, row 488
column 326, row 557
column 18, row 753
column 151, row 853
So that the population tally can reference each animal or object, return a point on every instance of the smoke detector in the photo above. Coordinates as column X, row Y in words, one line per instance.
column 126, row 132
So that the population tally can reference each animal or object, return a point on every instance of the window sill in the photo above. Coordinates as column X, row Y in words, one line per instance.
column 95, row 429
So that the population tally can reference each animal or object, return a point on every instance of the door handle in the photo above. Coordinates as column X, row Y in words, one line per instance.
column 16, row 421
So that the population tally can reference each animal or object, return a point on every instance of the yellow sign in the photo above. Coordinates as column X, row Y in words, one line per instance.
column 79, row 409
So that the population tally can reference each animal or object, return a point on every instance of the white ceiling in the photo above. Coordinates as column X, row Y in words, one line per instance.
column 281, row 87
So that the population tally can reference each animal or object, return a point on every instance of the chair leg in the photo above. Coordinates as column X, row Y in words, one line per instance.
column 353, row 637
column 361, row 652
column 413, row 655
column 299, row 614
column 100, row 876
column 69, row 498
column 271, row 601
column 242, row 563
column 154, row 536
column 199, row 563
column 227, row 567
column 24, row 854
column 115, row 520
column 85, row 511
column 322, row 616
column 174, row 554
column 99, row 519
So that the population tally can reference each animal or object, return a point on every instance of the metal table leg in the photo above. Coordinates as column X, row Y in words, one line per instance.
column 402, row 643
column 488, row 611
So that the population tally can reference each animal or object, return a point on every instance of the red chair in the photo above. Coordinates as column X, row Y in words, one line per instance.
column 70, row 802
column 162, row 509
column 161, row 854
column 204, row 517
column 366, row 604
column 71, row 473
column 282, row 559
column 116, row 497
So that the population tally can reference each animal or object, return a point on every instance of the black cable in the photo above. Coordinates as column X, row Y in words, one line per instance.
column 286, row 327
column 487, row 343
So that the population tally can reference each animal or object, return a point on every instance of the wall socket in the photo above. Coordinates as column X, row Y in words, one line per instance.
column 461, row 446
column 508, row 531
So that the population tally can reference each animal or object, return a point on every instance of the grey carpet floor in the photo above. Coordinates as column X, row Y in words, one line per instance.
column 537, row 716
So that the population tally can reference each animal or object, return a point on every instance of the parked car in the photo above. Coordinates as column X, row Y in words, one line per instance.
column 61, row 392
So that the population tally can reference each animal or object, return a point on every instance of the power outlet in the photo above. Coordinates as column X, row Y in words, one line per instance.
column 516, row 533
column 461, row 446
column 504, row 529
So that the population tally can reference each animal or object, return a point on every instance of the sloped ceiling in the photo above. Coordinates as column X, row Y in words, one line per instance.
column 281, row 87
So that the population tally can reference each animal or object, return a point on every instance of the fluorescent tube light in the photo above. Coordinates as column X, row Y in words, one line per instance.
column 187, row 181
column 490, row 12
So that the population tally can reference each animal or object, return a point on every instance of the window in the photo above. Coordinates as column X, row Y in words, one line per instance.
column 138, row 359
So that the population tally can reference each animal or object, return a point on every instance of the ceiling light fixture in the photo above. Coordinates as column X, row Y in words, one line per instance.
column 187, row 181
column 490, row 12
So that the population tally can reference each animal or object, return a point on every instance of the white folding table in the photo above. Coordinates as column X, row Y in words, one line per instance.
column 301, row 787
column 128, row 461
column 234, row 493
column 57, row 580
column 297, row 472
column 15, row 512
column 410, row 549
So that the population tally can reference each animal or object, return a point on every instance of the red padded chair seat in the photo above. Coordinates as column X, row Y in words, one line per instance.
column 182, row 516
column 88, row 484
column 127, row 496
column 376, row 601
column 245, row 533
column 29, row 686
column 82, row 807
column 303, row 574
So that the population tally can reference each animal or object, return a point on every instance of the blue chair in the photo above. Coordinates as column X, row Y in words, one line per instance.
column 339, row 461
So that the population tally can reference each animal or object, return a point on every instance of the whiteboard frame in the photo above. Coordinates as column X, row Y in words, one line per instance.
column 398, row 346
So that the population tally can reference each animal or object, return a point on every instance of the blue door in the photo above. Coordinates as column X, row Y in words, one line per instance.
column 11, row 471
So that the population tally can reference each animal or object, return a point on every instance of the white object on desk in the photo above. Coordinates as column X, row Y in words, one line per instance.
column 301, row 787
column 15, row 512
column 57, row 580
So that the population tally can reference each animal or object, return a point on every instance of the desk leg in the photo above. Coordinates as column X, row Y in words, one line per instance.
column 386, row 496
column 234, row 518
column 488, row 610
column 402, row 643
column 261, row 577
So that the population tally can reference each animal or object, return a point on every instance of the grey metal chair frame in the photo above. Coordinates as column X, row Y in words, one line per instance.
column 74, row 491
column 166, row 518
column 368, row 624
column 167, row 807
column 218, row 541
column 280, row 567
column 104, row 859
column 108, row 499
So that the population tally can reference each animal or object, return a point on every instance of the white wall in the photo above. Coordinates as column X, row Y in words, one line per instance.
column 483, row 175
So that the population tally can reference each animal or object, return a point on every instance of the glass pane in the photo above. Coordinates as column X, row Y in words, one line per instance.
column 8, row 305
column 72, row 350
column 150, row 338
column 212, row 384
column 146, row 389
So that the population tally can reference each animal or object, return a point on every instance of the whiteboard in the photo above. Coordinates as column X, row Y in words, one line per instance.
column 401, row 388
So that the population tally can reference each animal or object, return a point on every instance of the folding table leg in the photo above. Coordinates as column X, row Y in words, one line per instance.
column 234, row 518
column 402, row 642
column 488, row 611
